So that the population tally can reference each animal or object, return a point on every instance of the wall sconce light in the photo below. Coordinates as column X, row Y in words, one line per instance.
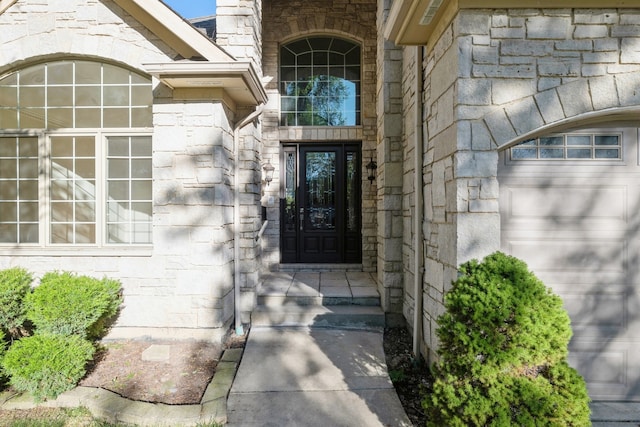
column 268, row 172
column 371, row 170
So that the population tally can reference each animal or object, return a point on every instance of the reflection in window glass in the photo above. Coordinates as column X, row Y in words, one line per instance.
column 320, row 82
column 61, row 187
column 56, row 95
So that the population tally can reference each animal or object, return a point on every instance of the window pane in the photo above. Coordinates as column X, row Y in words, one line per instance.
column 60, row 73
column 62, row 211
column 32, row 118
column 88, row 72
column 141, row 168
column 88, row 96
column 116, row 117
column 606, row 140
column 88, row 117
column 32, row 97
column 141, row 95
column 29, row 233
column 142, row 211
column 140, row 190
column 85, row 211
column 554, row 140
column 579, row 153
column 85, row 190
column 8, row 190
column 116, row 95
column 62, row 146
column 118, row 168
column 8, row 169
column 118, row 190
column 9, row 211
column 61, row 233
column 85, row 233
column 29, row 147
column 141, row 146
column 8, row 118
column 8, row 96
column 141, row 117
column 85, row 168
column 8, row 233
column 60, row 96
column 60, row 118
column 85, row 147
column 62, row 168
column 118, row 211
column 29, row 211
column 115, row 75
column 28, row 168
column 29, row 189
column 524, row 153
column 32, row 76
column 578, row 140
column 612, row 153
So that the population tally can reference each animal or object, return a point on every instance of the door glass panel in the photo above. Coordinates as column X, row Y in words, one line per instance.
column 352, row 188
column 290, row 192
column 321, row 190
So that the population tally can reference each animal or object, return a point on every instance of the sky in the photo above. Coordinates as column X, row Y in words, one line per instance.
column 193, row 8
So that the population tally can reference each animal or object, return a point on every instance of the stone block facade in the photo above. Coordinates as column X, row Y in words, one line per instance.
column 182, row 285
column 494, row 78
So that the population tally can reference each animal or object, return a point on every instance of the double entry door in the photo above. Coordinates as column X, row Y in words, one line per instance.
column 321, row 203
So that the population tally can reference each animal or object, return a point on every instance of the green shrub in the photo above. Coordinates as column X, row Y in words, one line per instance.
column 67, row 304
column 46, row 365
column 15, row 284
column 503, row 351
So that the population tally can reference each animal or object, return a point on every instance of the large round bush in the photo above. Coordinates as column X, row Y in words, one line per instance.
column 47, row 365
column 67, row 304
column 503, row 351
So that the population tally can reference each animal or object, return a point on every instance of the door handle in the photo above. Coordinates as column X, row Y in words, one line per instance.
column 301, row 219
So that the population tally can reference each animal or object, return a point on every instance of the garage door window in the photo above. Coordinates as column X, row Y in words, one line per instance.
column 570, row 147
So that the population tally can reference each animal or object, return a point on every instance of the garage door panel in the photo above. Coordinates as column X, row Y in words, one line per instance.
column 609, row 368
column 568, row 204
column 583, row 256
column 577, row 226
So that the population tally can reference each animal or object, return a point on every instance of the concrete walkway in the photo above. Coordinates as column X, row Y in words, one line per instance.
column 314, row 377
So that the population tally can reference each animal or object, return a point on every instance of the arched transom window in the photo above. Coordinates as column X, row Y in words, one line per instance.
column 75, row 156
column 320, row 82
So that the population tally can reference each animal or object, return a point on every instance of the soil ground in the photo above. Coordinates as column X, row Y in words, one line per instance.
column 183, row 378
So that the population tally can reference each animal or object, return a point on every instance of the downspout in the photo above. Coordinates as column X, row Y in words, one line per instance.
column 236, row 215
column 418, row 274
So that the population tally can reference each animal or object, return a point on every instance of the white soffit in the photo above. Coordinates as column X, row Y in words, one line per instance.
column 238, row 81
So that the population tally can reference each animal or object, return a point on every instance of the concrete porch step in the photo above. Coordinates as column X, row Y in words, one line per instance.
column 335, row 316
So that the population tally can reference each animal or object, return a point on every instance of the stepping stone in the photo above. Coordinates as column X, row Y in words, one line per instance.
column 157, row 353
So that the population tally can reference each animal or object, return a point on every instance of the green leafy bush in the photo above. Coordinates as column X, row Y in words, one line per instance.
column 503, row 352
column 15, row 284
column 67, row 304
column 47, row 365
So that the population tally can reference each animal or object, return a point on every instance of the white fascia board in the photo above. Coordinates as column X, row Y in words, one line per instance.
column 174, row 30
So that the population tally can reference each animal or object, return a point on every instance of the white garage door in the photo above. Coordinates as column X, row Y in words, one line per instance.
column 570, row 208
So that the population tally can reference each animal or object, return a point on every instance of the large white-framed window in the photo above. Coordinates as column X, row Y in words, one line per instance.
column 320, row 82
column 75, row 156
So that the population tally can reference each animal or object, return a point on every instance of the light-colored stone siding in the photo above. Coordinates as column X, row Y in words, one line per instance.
column 494, row 78
column 183, row 286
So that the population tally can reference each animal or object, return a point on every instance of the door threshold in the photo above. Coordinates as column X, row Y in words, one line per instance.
column 314, row 267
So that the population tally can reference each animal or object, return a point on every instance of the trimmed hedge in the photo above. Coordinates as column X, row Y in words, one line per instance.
column 67, row 304
column 503, row 352
column 15, row 285
column 47, row 365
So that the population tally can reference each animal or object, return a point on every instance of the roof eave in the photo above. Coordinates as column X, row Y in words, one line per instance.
column 238, row 80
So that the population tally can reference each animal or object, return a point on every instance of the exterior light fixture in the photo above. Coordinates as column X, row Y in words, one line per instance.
column 268, row 172
column 371, row 170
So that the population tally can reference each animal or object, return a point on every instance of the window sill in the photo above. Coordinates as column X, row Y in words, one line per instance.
column 142, row 251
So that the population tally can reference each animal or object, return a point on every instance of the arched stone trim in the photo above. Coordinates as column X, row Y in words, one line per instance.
column 580, row 101
column 96, row 29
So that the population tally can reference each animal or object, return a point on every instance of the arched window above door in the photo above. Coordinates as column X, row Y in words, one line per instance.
column 320, row 82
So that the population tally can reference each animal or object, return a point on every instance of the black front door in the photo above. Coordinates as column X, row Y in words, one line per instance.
column 320, row 206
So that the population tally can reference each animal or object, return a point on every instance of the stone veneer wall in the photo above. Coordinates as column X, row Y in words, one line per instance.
column 183, row 286
column 286, row 20
column 496, row 77
column 239, row 32
column 391, row 174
